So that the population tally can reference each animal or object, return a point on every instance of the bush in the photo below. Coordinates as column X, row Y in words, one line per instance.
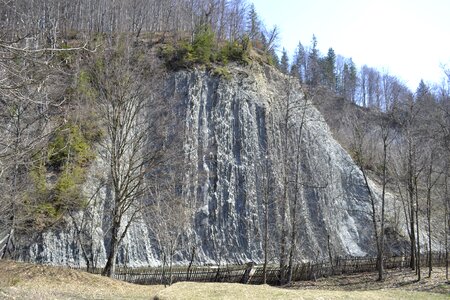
column 39, row 180
column 179, row 57
column 66, row 57
column 202, row 46
column 84, row 85
column 234, row 51
column 222, row 72
column 68, row 154
column 203, row 51
column 67, row 189
column 69, row 145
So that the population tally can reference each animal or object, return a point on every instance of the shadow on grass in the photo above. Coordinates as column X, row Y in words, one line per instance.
column 406, row 283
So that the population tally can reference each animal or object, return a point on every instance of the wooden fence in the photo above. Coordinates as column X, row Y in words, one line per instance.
column 254, row 274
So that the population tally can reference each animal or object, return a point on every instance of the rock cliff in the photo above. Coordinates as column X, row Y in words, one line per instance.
column 242, row 138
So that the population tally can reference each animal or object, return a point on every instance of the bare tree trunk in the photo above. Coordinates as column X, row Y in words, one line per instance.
column 429, row 187
column 190, row 263
column 412, row 235
column 283, row 249
column 266, row 221
column 447, row 225
column 284, row 201
column 172, row 246
column 417, row 229
column 110, row 266
column 9, row 248
column 293, row 239
column 383, row 202
column 163, row 271
column 374, row 212
column 330, row 255
column 359, row 132
column 266, row 242
column 297, row 194
column 84, row 252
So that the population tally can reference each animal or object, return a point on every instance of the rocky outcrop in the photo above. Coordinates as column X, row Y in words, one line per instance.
column 236, row 136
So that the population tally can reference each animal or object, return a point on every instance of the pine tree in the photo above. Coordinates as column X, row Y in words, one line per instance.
column 348, row 81
column 312, row 74
column 284, row 62
column 329, row 69
column 273, row 58
column 253, row 25
column 422, row 92
column 299, row 64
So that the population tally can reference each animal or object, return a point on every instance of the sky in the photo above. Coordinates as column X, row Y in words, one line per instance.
column 406, row 38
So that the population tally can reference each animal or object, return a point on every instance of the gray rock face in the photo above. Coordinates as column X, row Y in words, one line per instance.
column 234, row 138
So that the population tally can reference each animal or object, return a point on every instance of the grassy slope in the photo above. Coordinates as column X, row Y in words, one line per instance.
column 29, row 281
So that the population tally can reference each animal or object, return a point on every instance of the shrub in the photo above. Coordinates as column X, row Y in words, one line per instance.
column 84, row 85
column 68, row 154
column 202, row 46
column 67, row 189
column 234, row 51
column 39, row 180
column 66, row 57
column 203, row 51
column 222, row 72
column 69, row 145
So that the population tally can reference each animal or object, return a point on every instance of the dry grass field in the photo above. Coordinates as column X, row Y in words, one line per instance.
column 29, row 281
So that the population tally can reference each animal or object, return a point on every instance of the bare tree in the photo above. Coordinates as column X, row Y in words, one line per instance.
column 267, row 205
column 27, row 100
column 131, row 114
column 446, row 222
column 169, row 213
column 407, row 115
column 286, row 124
column 361, row 134
column 169, row 216
column 386, row 138
column 297, row 182
column 430, row 182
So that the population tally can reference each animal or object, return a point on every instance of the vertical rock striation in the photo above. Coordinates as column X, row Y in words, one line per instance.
column 232, row 129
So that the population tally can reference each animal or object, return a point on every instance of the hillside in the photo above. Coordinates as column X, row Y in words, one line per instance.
column 236, row 158
column 30, row 281
column 25, row 281
column 143, row 133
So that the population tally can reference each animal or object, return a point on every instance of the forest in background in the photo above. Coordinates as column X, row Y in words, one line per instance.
column 48, row 129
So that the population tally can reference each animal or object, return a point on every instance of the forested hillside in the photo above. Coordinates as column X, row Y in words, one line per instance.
column 150, row 131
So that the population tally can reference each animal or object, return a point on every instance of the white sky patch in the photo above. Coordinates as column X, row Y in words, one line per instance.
column 408, row 38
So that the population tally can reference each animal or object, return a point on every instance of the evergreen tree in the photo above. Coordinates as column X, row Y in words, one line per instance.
column 348, row 81
column 343, row 82
column 312, row 74
column 329, row 69
column 273, row 58
column 299, row 63
column 284, row 62
column 422, row 92
column 253, row 25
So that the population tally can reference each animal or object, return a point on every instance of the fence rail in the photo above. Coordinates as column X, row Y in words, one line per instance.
column 254, row 274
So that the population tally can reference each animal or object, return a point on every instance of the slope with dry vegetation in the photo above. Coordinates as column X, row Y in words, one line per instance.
column 30, row 281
